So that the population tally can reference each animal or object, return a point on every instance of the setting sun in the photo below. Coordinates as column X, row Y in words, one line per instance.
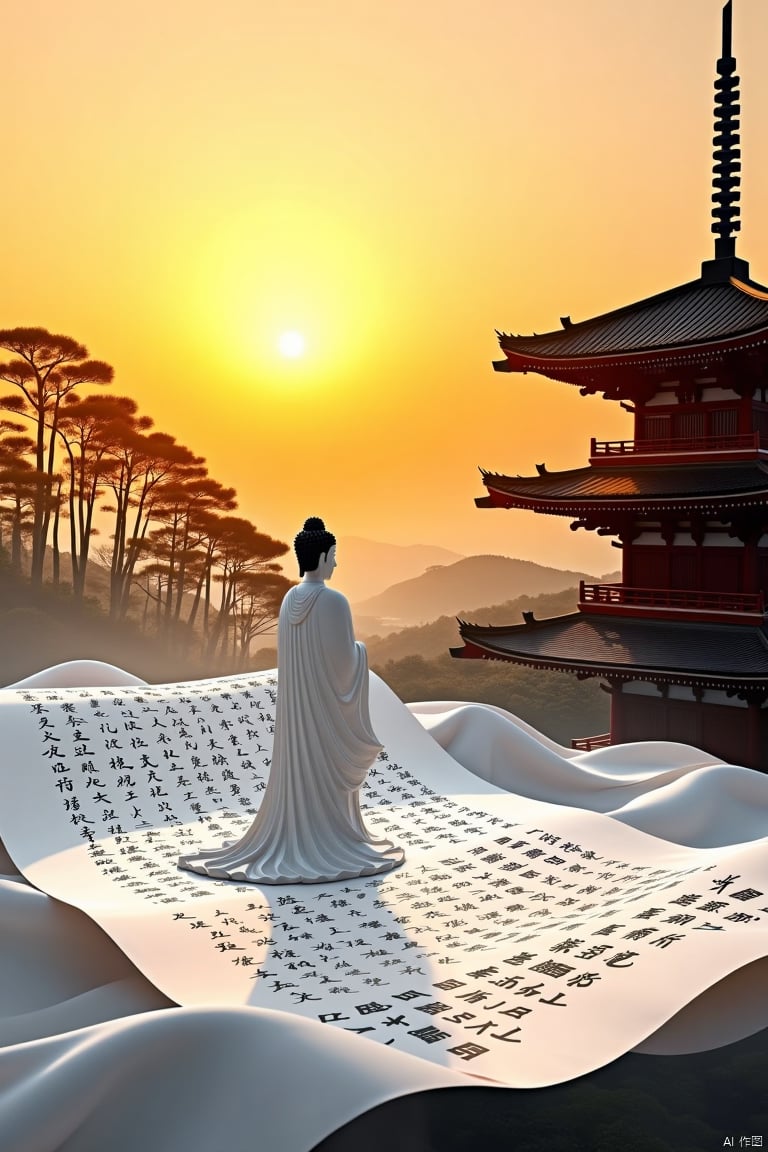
column 335, row 259
column 291, row 344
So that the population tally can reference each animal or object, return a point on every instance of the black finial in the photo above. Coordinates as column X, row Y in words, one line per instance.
column 727, row 28
column 727, row 154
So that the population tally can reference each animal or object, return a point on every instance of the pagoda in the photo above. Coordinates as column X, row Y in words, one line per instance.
column 681, row 642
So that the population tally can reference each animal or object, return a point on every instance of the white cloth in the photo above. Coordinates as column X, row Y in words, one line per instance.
column 309, row 827
column 109, row 1066
column 77, row 674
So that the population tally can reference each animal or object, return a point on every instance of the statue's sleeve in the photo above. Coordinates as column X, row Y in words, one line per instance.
column 346, row 659
column 345, row 669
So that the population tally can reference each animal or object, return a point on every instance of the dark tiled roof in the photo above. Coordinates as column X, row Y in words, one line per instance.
column 702, row 652
column 695, row 313
column 601, row 484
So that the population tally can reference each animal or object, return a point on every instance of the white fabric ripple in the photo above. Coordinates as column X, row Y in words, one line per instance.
column 93, row 1056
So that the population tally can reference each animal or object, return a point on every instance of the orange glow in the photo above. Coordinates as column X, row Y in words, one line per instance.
column 185, row 182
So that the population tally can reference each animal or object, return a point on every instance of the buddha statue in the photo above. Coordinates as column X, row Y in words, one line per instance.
column 309, row 827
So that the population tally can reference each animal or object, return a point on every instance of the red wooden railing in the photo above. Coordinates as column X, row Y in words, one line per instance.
column 688, row 599
column 587, row 743
column 747, row 441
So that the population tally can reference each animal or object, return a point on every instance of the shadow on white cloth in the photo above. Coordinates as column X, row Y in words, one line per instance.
column 197, row 1080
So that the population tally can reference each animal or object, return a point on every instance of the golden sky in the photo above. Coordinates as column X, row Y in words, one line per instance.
column 184, row 181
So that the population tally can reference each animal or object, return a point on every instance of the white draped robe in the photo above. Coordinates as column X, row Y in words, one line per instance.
column 309, row 827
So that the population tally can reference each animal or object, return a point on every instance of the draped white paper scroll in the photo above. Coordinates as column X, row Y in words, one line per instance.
column 522, row 941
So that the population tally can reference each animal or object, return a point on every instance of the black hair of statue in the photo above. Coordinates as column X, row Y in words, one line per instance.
column 312, row 543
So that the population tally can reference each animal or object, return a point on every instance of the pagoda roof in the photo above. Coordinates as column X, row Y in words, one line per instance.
column 722, row 312
column 714, row 655
column 679, row 486
column 699, row 317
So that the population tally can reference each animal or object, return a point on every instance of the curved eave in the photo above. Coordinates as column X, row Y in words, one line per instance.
column 478, row 644
column 695, row 352
column 570, row 506
column 588, row 670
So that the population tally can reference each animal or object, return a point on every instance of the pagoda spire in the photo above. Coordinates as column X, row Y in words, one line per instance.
column 727, row 154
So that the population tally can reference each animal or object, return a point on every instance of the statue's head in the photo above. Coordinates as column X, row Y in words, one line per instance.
column 313, row 545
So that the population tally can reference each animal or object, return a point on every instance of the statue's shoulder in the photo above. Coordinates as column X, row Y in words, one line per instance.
column 299, row 602
column 333, row 596
column 335, row 601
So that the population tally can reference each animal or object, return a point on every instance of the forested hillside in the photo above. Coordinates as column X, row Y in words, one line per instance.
column 436, row 638
column 99, row 503
column 557, row 704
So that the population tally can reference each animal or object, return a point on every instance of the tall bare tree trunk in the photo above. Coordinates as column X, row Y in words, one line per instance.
column 16, row 539
column 56, row 552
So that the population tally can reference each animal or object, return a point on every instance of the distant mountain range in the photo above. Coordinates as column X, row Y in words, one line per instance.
column 368, row 567
column 464, row 586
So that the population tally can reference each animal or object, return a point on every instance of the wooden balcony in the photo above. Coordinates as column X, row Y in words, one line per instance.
column 673, row 603
column 681, row 450
column 588, row 743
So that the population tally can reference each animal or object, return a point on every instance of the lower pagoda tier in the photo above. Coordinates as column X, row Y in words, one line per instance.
column 696, row 683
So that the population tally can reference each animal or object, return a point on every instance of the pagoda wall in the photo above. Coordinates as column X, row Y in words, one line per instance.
column 728, row 729
column 689, row 421
column 718, row 563
column 672, row 415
